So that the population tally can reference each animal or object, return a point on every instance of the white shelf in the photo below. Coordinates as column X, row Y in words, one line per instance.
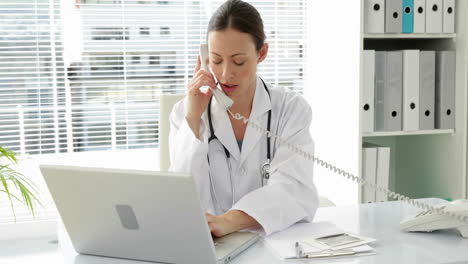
column 426, row 163
column 408, row 133
column 409, row 36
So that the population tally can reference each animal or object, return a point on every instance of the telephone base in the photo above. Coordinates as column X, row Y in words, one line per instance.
column 463, row 231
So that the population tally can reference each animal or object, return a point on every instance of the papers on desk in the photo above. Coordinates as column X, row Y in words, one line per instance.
column 320, row 239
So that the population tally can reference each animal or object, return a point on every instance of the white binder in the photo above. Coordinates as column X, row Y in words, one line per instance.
column 448, row 16
column 369, row 170
column 393, row 16
column 445, row 90
column 393, row 91
column 383, row 172
column 419, row 21
column 374, row 16
column 434, row 16
column 426, row 89
column 410, row 90
column 367, row 99
column 379, row 89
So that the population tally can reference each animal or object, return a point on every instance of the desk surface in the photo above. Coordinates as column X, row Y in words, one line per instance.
column 380, row 221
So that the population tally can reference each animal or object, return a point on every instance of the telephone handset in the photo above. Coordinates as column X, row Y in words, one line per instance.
column 428, row 220
column 218, row 93
column 458, row 218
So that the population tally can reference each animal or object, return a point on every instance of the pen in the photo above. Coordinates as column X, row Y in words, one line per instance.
column 329, row 236
column 299, row 251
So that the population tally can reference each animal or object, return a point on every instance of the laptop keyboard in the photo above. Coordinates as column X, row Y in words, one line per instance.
column 218, row 243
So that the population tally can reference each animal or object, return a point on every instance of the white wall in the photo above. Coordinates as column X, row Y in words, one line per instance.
column 332, row 89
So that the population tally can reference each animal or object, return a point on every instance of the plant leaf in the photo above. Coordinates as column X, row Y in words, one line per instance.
column 23, row 184
column 14, row 196
column 8, row 154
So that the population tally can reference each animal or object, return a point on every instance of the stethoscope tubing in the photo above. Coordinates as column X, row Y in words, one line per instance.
column 265, row 170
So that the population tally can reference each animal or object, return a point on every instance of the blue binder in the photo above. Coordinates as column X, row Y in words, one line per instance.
column 408, row 16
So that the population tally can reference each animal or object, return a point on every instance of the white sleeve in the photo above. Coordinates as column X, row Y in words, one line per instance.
column 188, row 154
column 290, row 195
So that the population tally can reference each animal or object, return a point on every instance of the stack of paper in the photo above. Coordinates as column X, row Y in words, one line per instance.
column 320, row 239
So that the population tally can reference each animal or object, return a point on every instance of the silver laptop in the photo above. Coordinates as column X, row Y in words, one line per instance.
column 136, row 214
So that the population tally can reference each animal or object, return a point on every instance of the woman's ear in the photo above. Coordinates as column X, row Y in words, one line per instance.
column 263, row 53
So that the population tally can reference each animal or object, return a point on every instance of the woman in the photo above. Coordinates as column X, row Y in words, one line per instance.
column 224, row 155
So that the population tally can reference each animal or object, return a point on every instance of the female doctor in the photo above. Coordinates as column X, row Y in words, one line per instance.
column 225, row 156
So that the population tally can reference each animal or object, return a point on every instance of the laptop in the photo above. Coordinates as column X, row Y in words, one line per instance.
column 136, row 214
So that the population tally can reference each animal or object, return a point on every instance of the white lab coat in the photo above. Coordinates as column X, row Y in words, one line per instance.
column 290, row 194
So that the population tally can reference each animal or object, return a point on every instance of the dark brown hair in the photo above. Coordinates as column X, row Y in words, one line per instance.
column 241, row 16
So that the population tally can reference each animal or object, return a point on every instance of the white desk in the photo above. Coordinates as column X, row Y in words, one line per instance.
column 380, row 221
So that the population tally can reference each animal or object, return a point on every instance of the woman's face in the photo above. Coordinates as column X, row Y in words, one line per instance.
column 233, row 59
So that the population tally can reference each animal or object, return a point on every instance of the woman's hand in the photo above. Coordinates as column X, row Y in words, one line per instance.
column 230, row 222
column 198, row 100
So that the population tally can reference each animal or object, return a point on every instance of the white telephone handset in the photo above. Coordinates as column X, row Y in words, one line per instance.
column 453, row 216
column 429, row 220
column 218, row 93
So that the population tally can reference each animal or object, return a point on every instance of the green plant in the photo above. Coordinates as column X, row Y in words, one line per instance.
column 10, row 178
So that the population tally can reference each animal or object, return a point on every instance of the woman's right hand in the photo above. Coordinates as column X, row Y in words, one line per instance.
column 197, row 99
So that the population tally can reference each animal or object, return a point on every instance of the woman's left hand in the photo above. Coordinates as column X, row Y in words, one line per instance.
column 230, row 222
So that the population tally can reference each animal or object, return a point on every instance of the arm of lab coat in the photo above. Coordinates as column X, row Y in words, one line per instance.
column 184, row 146
column 188, row 154
column 290, row 195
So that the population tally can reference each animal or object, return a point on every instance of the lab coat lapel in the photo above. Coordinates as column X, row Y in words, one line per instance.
column 223, row 129
column 261, row 105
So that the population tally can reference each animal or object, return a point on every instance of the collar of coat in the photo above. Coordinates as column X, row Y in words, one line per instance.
column 225, row 133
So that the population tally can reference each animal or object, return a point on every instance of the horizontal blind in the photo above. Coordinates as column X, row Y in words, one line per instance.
column 86, row 75
column 32, row 88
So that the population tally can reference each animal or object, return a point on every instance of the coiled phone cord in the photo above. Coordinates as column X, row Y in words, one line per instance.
column 350, row 176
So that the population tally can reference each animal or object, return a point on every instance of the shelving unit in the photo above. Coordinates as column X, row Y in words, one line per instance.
column 408, row 133
column 427, row 163
column 409, row 36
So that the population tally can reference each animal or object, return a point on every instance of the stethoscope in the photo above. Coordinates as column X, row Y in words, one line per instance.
column 265, row 169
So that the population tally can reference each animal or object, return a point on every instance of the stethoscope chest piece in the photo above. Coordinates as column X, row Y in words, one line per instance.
column 265, row 172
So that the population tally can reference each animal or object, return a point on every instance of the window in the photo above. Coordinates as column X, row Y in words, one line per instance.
column 136, row 59
column 144, row 31
column 96, row 86
column 164, row 31
column 110, row 33
column 155, row 60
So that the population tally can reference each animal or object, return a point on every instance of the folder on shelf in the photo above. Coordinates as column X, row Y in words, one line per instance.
column 388, row 90
column 408, row 16
column 434, row 16
column 410, row 90
column 383, row 172
column 367, row 96
column 419, row 25
column 393, row 91
column 369, row 172
column 448, row 16
column 393, row 17
column 374, row 16
column 445, row 90
column 379, row 88
column 426, row 89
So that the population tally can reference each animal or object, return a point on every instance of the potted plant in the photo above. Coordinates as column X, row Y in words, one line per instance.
column 11, row 180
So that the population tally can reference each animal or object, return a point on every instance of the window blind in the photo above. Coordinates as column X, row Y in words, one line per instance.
column 87, row 75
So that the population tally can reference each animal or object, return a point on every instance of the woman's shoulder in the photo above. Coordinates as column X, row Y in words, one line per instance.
column 288, row 100
column 178, row 109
